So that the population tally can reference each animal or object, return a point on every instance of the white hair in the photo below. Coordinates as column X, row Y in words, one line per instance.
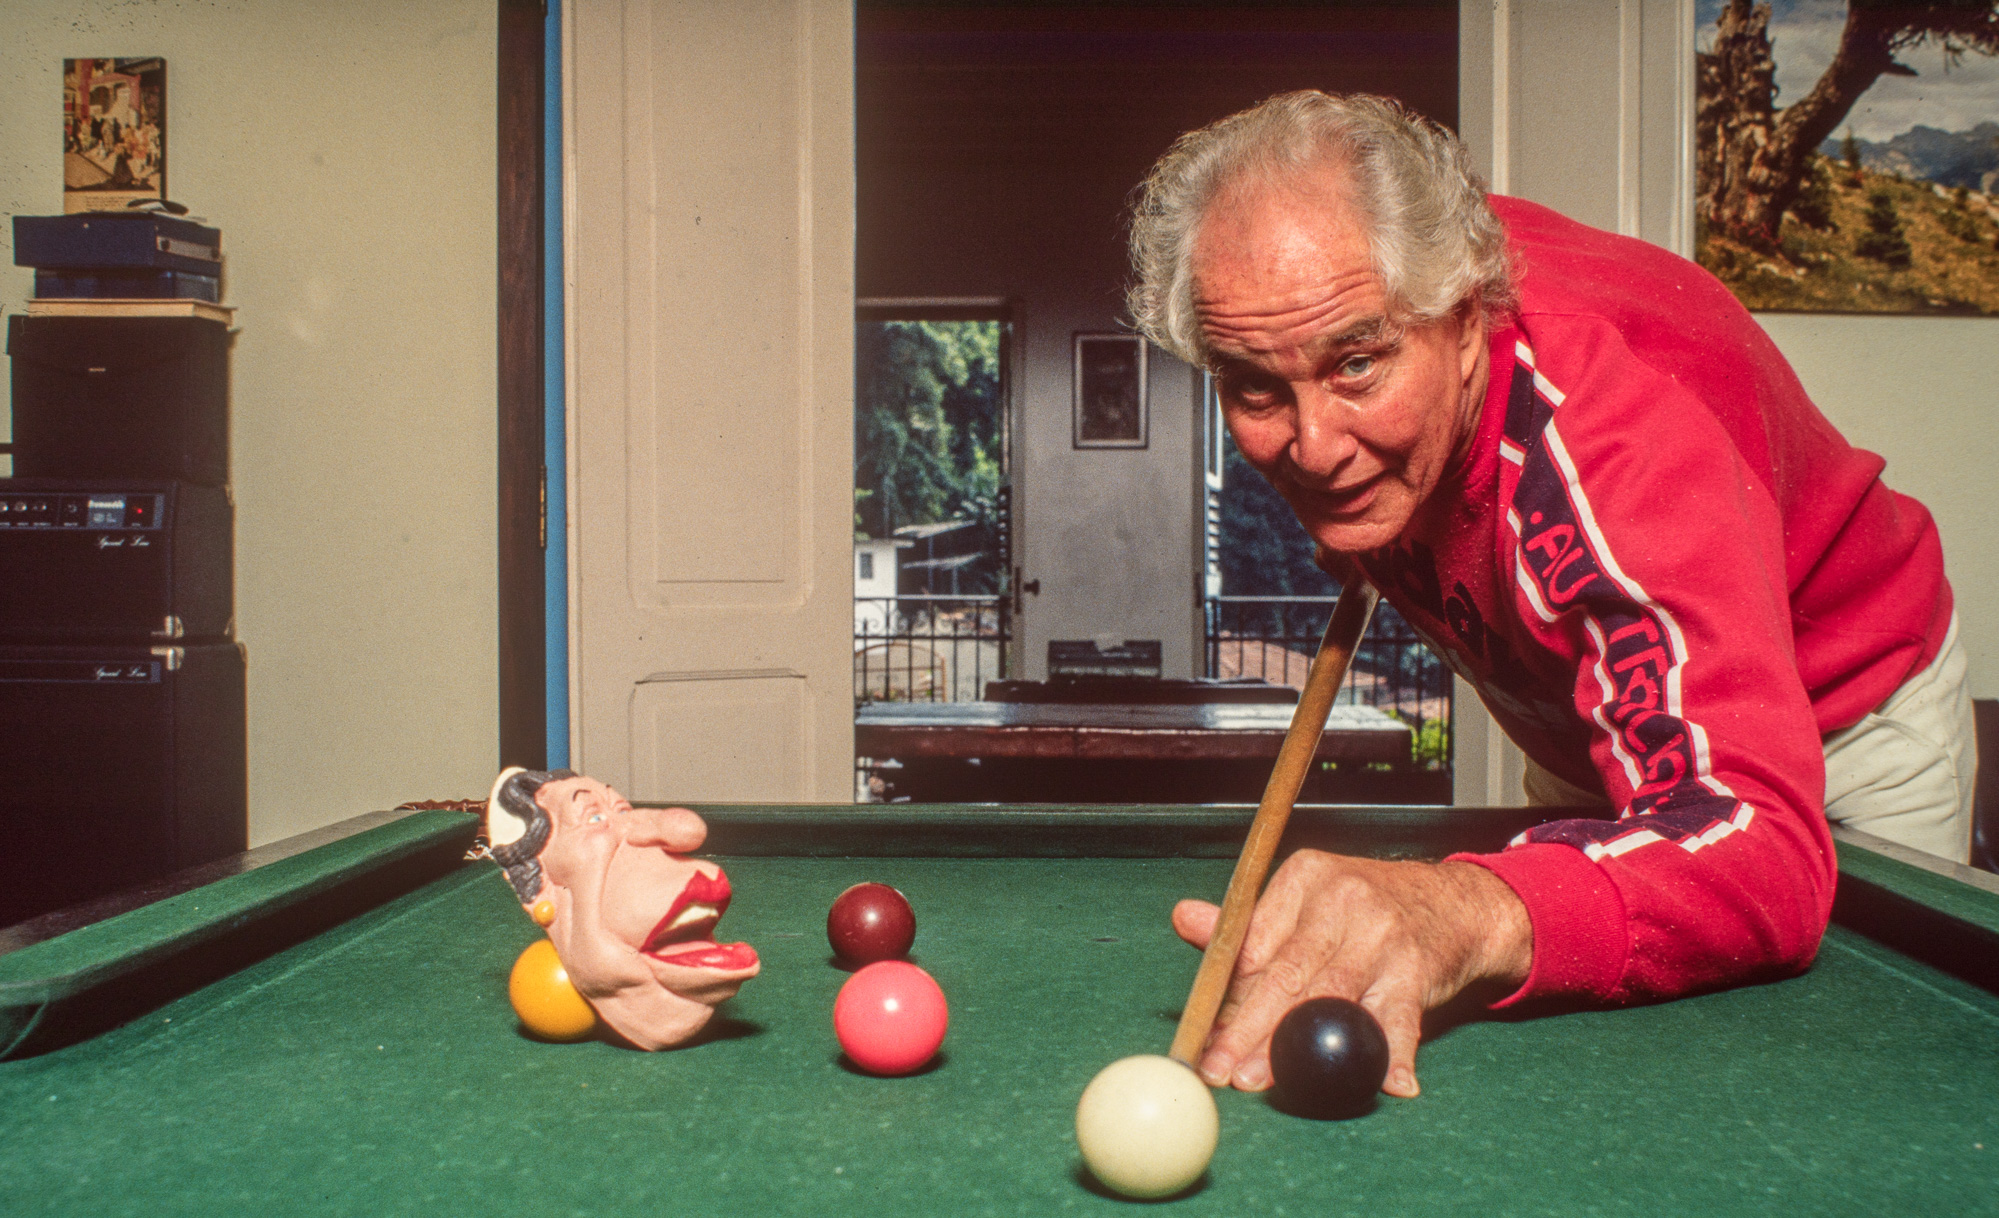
column 1434, row 239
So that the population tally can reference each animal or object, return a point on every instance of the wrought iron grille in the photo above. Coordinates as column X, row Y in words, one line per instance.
column 1275, row 637
column 928, row 648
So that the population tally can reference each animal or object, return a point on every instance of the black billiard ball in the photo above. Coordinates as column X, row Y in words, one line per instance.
column 870, row 922
column 1328, row 1058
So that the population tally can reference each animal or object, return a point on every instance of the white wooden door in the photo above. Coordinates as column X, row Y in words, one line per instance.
column 709, row 219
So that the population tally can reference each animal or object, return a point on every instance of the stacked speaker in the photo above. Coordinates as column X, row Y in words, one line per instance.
column 122, row 754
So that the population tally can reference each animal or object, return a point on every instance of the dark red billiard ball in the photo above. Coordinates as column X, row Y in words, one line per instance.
column 1328, row 1058
column 891, row 1017
column 870, row 922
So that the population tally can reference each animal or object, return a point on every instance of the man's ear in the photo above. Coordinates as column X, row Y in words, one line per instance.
column 1471, row 335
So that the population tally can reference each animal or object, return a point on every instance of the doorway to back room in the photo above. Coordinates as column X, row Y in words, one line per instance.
column 996, row 150
column 932, row 619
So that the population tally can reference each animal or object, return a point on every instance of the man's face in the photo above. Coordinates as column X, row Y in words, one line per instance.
column 1352, row 417
column 630, row 908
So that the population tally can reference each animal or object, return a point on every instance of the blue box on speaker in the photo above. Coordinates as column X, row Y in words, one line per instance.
column 103, row 240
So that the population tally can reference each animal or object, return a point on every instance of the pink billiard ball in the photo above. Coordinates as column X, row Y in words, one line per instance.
column 870, row 922
column 890, row 1017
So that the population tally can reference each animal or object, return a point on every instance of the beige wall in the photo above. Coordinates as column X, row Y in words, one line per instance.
column 346, row 150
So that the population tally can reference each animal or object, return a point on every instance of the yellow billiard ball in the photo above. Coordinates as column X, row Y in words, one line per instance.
column 544, row 997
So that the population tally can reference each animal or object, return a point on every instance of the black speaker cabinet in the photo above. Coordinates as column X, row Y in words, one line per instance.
column 113, row 561
column 122, row 764
column 120, row 397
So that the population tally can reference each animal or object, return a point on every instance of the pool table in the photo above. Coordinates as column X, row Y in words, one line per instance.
column 322, row 1027
column 1129, row 752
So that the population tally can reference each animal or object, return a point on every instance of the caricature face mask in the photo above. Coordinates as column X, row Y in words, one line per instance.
column 631, row 917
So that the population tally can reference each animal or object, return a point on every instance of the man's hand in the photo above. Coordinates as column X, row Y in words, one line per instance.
column 1399, row 938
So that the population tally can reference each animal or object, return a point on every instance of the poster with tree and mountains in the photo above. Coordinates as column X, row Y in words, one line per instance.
column 1847, row 154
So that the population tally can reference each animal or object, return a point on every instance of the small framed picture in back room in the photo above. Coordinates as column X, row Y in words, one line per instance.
column 1110, row 391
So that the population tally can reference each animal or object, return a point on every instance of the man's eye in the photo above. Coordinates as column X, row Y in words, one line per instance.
column 1357, row 365
column 596, row 819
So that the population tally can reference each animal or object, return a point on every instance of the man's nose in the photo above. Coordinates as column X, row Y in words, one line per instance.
column 1323, row 441
column 674, row 829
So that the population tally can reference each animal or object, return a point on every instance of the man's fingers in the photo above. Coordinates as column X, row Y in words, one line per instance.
column 1239, row 1054
column 1402, row 1020
column 1392, row 935
column 1274, row 920
column 1194, row 921
column 1252, row 1073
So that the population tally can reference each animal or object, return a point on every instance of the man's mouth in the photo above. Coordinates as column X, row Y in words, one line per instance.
column 1349, row 500
column 685, row 936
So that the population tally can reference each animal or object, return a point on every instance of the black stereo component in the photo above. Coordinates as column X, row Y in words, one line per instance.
column 122, row 764
column 120, row 397
column 123, row 240
column 114, row 561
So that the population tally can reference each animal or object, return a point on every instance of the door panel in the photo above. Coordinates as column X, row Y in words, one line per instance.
column 710, row 222
column 728, row 362
column 755, row 733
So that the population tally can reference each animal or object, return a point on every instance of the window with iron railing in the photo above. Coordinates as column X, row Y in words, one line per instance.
column 1274, row 638
column 925, row 648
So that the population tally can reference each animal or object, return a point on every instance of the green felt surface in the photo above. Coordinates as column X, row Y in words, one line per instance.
column 377, row 1069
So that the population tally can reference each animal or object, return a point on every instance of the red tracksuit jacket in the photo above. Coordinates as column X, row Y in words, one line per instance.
column 1667, row 575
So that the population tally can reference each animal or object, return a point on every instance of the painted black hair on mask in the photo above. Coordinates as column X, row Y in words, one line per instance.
column 520, row 859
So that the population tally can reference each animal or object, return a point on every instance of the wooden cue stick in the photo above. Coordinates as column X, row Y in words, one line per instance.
column 1294, row 760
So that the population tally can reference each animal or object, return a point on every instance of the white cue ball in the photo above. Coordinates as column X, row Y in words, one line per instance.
column 1147, row 1126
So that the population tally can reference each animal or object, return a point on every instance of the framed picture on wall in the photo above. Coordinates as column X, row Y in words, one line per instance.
column 114, row 132
column 1847, row 154
column 1110, row 408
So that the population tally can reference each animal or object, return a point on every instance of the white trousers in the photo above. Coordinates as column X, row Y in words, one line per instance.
column 1907, row 772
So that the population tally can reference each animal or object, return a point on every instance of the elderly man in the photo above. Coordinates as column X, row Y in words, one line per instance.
column 1583, row 472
